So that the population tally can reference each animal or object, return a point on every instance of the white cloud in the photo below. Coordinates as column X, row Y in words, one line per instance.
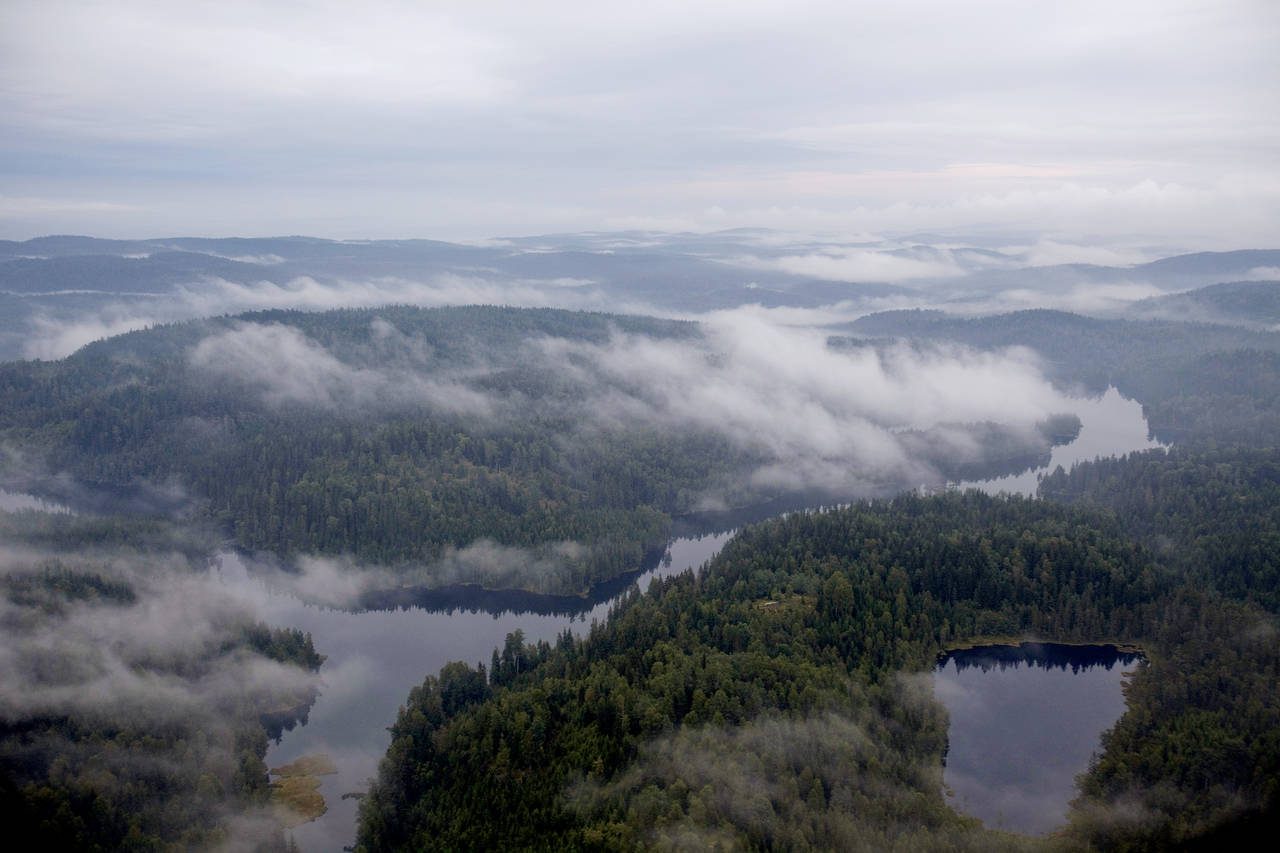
column 1085, row 298
column 1049, row 252
column 288, row 368
column 138, row 656
column 856, row 266
column 822, row 417
column 16, row 207
column 52, row 336
column 472, row 119
column 810, row 415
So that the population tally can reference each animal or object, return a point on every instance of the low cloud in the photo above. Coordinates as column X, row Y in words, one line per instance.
column 836, row 775
column 1083, row 298
column 805, row 413
column 52, row 337
column 856, row 265
column 154, row 652
column 822, row 416
column 813, row 416
column 344, row 582
column 136, row 640
column 287, row 368
column 57, row 332
column 1051, row 252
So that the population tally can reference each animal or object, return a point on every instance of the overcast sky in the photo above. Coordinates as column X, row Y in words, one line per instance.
column 1114, row 120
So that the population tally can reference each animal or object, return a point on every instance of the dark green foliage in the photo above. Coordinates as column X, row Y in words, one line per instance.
column 767, row 704
column 67, row 533
column 1214, row 516
column 1216, row 400
column 400, row 481
column 798, row 632
column 287, row 645
column 53, row 584
column 1198, row 751
column 101, row 780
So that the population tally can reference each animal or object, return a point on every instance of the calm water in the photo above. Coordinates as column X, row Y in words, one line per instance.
column 1024, row 722
column 376, row 656
column 1110, row 425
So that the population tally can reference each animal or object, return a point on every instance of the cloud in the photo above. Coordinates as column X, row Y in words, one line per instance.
column 856, row 266
column 139, row 639
column 496, row 117
column 25, row 206
column 344, row 582
column 53, row 338
column 56, row 332
column 1083, row 298
column 1050, row 252
column 1226, row 213
column 821, row 417
column 153, row 655
column 832, row 774
column 808, row 414
column 288, row 368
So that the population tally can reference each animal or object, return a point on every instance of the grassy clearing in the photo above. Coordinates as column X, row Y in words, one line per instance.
column 295, row 795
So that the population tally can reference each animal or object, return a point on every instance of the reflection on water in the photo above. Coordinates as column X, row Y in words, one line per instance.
column 1025, row 720
column 1110, row 425
column 376, row 656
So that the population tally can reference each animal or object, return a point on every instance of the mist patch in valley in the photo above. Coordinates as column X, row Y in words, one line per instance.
column 123, row 636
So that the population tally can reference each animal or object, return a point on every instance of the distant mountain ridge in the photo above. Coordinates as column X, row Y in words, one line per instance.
column 1255, row 304
column 60, row 291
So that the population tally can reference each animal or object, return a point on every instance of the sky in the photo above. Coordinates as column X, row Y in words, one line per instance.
column 1092, row 121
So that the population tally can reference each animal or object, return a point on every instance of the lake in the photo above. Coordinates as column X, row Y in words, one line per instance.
column 1025, row 721
column 376, row 656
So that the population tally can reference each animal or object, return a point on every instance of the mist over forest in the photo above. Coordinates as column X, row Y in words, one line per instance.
column 361, row 420
column 593, row 427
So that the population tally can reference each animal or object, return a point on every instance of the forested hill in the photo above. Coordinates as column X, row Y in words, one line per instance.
column 1199, row 383
column 388, row 435
column 1255, row 304
column 775, row 702
column 1214, row 515
column 403, row 436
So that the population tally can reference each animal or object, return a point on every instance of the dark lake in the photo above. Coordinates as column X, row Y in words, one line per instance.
column 1025, row 721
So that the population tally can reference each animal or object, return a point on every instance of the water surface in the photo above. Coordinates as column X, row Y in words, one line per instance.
column 1110, row 425
column 376, row 656
column 1025, row 721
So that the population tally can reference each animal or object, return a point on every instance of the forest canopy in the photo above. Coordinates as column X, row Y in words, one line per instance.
column 774, row 700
